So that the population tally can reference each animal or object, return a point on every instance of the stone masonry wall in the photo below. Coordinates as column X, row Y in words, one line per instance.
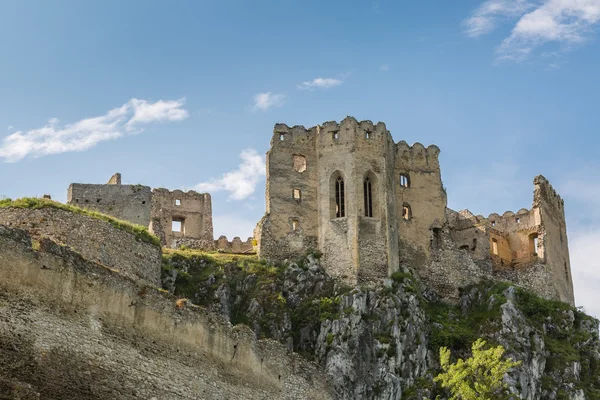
column 235, row 246
column 193, row 210
column 127, row 202
column 95, row 239
column 72, row 329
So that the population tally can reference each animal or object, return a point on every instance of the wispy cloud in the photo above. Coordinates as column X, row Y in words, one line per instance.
column 264, row 101
column 87, row 133
column 563, row 22
column 384, row 67
column 320, row 83
column 487, row 17
column 242, row 182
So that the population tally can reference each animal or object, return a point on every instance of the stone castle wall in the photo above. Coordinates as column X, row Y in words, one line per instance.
column 127, row 202
column 191, row 209
column 96, row 240
column 155, row 209
column 73, row 329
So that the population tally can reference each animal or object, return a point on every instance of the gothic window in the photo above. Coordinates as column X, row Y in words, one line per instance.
column 404, row 180
column 406, row 212
column 340, row 210
column 368, row 197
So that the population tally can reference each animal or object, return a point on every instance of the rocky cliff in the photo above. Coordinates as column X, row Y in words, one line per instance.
column 383, row 343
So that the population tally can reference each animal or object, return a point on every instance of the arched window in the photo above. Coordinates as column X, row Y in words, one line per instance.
column 404, row 180
column 368, row 197
column 406, row 212
column 340, row 210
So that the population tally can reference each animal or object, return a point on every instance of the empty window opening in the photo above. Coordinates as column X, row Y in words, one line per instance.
column 177, row 202
column 465, row 247
column 404, row 180
column 177, row 225
column 297, row 194
column 295, row 224
column 335, row 135
column 474, row 244
column 534, row 244
column 494, row 247
column 368, row 135
column 368, row 197
column 299, row 163
column 493, row 223
column 518, row 220
column 406, row 213
column 281, row 137
column 339, row 198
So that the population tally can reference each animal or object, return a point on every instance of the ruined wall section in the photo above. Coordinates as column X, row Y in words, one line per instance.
column 470, row 233
column 73, row 329
column 96, row 240
column 290, row 226
column 236, row 246
column 192, row 211
column 127, row 202
column 556, row 255
column 425, row 196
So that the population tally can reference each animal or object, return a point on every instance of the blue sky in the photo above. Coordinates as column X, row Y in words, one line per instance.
column 185, row 95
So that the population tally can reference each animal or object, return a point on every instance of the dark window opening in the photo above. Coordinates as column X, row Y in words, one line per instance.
column 97, row 200
column 404, row 180
column 144, row 202
column 465, row 247
column 474, row 244
column 339, row 198
column 368, row 197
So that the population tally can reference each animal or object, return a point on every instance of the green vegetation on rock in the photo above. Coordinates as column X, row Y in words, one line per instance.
column 36, row 203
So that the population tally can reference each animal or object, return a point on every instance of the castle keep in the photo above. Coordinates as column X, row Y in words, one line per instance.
column 372, row 206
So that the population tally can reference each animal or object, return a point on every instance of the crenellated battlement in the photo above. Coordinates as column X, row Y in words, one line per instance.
column 417, row 155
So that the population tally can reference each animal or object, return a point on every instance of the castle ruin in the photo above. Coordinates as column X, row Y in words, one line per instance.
column 372, row 206
column 176, row 217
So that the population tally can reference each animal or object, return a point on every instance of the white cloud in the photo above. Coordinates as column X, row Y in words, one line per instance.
column 585, row 269
column 384, row 67
column 320, row 83
column 486, row 18
column 242, row 182
column 264, row 101
column 86, row 133
column 539, row 22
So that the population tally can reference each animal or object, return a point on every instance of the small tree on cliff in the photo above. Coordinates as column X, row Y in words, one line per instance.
column 478, row 377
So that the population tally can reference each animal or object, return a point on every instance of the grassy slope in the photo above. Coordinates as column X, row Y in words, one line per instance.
column 36, row 203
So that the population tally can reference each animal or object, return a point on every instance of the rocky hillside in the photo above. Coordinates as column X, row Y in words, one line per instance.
column 383, row 343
